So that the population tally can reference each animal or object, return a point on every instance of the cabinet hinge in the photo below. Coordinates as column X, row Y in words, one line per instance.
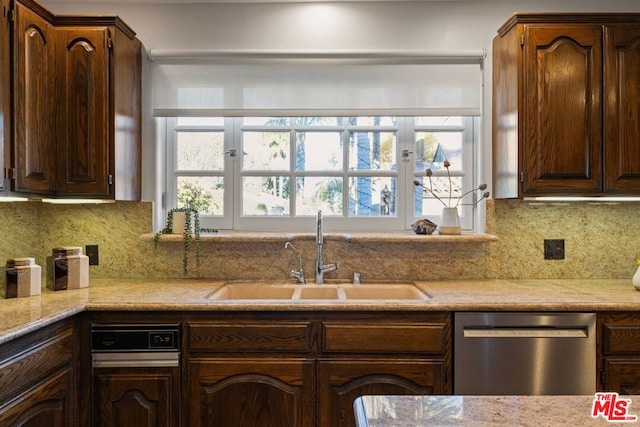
column 9, row 173
column 522, row 177
column 603, row 378
column 110, row 179
column 8, row 14
column 522, row 40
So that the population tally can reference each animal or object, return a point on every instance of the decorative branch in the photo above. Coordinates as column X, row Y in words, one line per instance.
column 429, row 190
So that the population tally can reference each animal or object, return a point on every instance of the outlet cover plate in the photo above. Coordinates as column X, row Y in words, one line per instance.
column 92, row 252
column 553, row 248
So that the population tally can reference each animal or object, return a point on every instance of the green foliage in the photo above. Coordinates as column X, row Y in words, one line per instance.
column 330, row 192
column 190, row 236
column 194, row 197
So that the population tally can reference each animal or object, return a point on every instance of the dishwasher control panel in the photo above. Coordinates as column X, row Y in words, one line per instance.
column 135, row 337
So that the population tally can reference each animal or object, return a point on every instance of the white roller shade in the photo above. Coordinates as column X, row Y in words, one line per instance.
column 204, row 84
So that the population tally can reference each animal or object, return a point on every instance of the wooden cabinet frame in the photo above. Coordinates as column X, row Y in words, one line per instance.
column 75, row 106
column 618, row 346
column 565, row 105
column 314, row 364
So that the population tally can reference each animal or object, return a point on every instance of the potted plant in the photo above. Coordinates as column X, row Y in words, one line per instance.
column 190, row 233
column 192, row 199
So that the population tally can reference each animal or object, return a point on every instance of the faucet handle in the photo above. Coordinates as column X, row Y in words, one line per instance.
column 298, row 275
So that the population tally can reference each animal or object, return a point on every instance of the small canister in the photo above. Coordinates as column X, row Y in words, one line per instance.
column 67, row 268
column 23, row 277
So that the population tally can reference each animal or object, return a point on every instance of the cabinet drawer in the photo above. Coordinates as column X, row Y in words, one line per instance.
column 621, row 339
column 384, row 338
column 249, row 336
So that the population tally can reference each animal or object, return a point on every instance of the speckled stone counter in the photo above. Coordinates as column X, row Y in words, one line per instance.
column 19, row 316
column 478, row 411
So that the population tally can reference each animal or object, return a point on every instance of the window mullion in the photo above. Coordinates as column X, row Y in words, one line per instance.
column 404, row 192
column 233, row 179
column 293, row 172
column 345, row 170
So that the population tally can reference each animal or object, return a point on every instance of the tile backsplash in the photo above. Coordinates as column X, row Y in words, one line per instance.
column 601, row 241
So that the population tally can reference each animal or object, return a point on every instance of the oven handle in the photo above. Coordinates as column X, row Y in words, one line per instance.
column 136, row 359
column 525, row 333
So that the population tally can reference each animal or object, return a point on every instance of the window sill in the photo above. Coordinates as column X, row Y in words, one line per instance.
column 374, row 237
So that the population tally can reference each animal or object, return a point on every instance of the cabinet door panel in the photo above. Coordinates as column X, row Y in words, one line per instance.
column 342, row 381
column 84, row 131
column 622, row 376
column 251, row 392
column 35, row 112
column 136, row 397
column 562, row 108
column 46, row 404
column 622, row 112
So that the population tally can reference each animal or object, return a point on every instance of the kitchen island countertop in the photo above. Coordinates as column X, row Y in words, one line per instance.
column 496, row 411
column 19, row 316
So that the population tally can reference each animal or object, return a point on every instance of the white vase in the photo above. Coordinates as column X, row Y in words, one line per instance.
column 179, row 222
column 636, row 279
column 449, row 222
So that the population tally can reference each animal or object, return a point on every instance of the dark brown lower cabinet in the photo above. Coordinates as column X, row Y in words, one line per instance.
column 342, row 381
column 38, row 378
column 619, row 352
column 306, row 369
column 622, row 376
column 134, row 397
column 251, row 392
column 45, row 404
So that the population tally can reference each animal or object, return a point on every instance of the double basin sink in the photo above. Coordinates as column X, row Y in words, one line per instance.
column 339, row 292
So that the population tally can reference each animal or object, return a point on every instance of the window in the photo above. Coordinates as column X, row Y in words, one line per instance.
column 275, row 173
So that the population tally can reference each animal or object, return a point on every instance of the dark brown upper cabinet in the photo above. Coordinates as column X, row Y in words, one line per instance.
column 566, row 103
column 100, row 72
column 34, row 97
column 5, row 94
column 77, row 105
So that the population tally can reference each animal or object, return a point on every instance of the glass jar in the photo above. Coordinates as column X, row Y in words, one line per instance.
column 68, row 268
column 23, row 278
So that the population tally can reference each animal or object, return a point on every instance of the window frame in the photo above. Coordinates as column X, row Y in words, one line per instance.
column 405, row 174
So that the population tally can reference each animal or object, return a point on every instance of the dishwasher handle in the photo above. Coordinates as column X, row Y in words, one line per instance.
column 136, row 359
column 525, row 333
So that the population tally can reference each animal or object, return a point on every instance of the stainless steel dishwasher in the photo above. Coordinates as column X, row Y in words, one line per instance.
column 524, row 353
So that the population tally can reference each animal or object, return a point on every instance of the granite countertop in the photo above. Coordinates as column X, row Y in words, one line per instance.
column 497, row 411
column 19, row 316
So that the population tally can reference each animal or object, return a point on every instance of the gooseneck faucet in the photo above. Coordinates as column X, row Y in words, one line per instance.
column 321, row 268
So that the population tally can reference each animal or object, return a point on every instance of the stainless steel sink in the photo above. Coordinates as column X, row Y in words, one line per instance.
column 343, row 292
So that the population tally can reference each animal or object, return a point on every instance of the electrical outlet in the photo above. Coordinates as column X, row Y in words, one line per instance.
column 92, row 252
column 553, row 248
